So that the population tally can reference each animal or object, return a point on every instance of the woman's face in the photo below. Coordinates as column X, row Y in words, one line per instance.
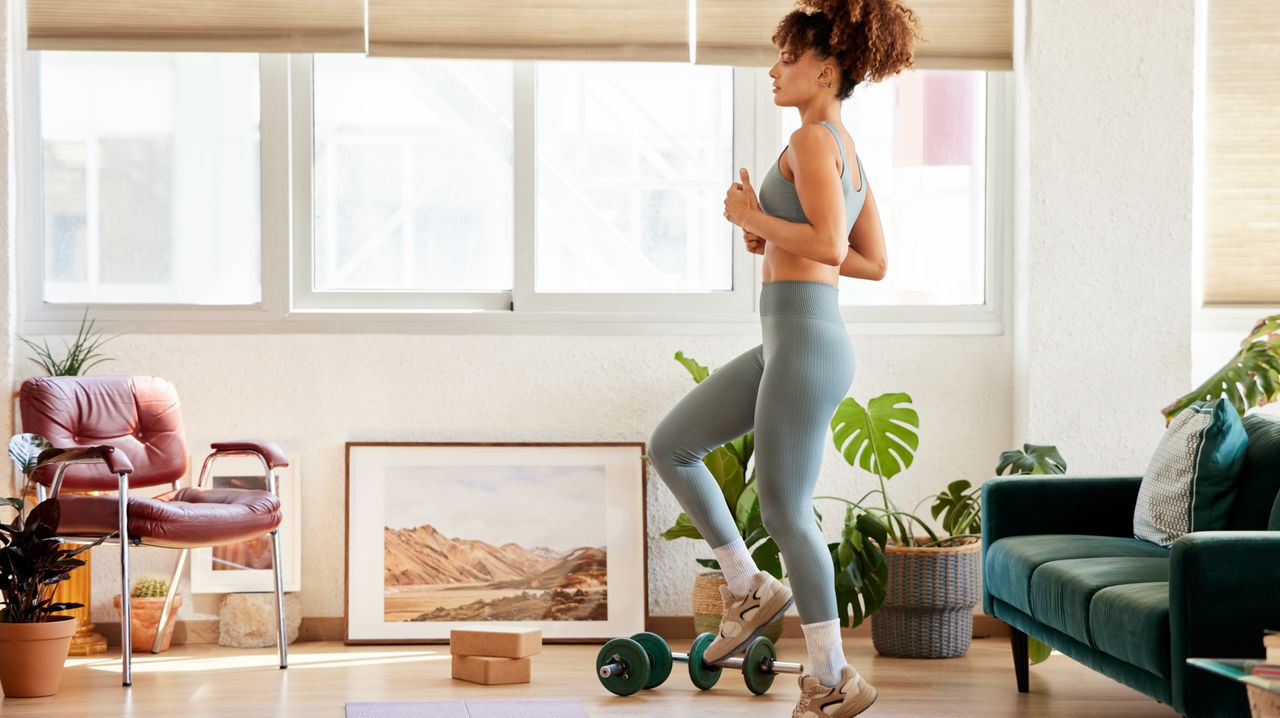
column 799, row 77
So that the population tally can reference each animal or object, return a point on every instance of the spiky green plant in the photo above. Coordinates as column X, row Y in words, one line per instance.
column 150, row 587
column 81, row 355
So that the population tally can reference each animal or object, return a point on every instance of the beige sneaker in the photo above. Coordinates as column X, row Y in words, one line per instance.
column 852, row 696
column 746, row 616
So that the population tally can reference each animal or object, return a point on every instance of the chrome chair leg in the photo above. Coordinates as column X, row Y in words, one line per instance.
column 168, row 600
column 275, row 561
column 126, row 638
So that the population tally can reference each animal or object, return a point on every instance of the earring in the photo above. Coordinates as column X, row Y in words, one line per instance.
column 826, row 84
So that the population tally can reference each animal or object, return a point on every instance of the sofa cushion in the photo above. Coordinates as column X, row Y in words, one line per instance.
column 1061, row 591
column 1011, row 561
column 1258, row 487
column 1190, row 482
column 1131, row 622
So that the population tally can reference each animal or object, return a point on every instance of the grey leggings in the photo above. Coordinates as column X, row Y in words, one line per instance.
column 786, row 388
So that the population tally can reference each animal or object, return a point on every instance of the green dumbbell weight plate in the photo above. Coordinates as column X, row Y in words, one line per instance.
column 753, row 672
column 636, row 674
column 703, row 675
column 659, row 657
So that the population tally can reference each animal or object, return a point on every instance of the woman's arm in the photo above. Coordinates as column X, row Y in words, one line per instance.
column 866, row 258
column 821, row 197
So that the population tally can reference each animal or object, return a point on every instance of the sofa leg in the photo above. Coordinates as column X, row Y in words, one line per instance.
column 1021, row 662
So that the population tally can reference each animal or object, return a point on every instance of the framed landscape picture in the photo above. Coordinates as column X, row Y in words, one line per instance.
column 245, row 567
column 454, row 535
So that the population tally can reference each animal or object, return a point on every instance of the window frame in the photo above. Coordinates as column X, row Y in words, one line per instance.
column 288, row 306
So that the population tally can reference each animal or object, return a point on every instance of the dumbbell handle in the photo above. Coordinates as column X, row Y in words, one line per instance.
column 769, row 665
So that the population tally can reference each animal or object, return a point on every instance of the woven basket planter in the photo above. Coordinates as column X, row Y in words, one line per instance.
column 708, row 608
column 928, row 607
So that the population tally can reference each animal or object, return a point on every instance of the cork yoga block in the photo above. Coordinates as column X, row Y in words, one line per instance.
column 496, row 642
column 491, row 671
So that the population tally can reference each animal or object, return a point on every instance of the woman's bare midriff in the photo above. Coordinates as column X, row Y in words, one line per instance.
column 781, row 265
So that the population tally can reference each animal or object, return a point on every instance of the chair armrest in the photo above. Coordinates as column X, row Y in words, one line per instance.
column 1224, row 590
column 117, row 462
column 268, row 450
column 1039, row 504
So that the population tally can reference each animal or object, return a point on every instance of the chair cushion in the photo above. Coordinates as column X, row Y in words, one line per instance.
column 1062, row 591
column 1011, row 561
column 186, row 518
column 1190, row 483
column 1131, row 622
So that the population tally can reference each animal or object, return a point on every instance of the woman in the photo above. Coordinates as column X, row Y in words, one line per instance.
column 815, row 220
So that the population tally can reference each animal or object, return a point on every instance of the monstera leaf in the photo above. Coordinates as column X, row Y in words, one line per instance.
column 880, row 438
column 1249, row 379
column 862, row 576
column 1033, row 459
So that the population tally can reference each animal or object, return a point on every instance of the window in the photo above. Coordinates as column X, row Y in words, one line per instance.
column 921, row 137
column 413, row 175
column 150, row 178
column 632, row 163
column 318, row 187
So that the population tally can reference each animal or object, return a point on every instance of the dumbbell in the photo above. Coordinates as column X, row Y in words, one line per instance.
column 643, row 661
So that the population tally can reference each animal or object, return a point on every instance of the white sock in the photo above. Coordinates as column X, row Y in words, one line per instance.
column 826, row 653
column 737, row 565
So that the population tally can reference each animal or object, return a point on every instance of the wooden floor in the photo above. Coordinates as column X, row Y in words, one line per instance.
column 206, row 680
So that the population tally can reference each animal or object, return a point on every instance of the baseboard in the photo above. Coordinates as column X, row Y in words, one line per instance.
column 682, row 627
column 331, row 628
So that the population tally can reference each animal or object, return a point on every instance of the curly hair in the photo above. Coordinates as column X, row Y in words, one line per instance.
column 869, row 39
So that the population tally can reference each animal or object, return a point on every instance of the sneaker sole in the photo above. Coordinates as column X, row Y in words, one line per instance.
column 754, row 633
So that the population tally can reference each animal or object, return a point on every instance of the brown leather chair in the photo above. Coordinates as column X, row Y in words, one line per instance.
column 132, row 429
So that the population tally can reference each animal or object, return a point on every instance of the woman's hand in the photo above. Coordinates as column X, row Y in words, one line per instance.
column 755, row 243
column 740, row 200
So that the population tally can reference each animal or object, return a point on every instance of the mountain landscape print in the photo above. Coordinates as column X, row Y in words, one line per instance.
column 495, row 543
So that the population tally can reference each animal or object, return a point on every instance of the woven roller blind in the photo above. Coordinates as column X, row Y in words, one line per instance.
column 1242, row 154
column 654, row 30
column 204, row 26
column 957, row 34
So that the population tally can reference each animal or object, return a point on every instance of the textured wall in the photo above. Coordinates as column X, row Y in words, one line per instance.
column 1103, row 249
column 314, row 393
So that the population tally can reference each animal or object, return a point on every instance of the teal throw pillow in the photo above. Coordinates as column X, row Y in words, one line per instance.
column 1190, row 483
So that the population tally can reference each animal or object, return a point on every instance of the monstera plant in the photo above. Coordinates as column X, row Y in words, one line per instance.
column 1250, row 378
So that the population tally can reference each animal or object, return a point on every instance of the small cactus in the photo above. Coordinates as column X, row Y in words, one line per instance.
column 150, row 588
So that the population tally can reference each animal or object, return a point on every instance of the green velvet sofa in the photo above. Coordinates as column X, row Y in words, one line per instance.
column 1060, row 563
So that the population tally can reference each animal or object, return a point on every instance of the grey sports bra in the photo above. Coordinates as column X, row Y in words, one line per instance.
column 778, row 197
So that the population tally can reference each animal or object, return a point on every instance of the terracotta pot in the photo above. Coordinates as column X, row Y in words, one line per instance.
column 144, row 617
column 32, row 656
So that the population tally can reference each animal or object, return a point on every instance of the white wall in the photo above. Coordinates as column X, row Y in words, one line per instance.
column 1100, row 342
column 1103, row 257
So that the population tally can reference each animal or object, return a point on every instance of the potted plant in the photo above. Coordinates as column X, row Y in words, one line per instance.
column 890, row 562
column 146, row 603
column 33, row 640
column 1250, row 378
column 729, row 465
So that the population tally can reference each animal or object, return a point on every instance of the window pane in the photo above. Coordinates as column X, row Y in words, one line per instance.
column 413, row 174
column 151, row 177
column 922, row 140
column 632, row 164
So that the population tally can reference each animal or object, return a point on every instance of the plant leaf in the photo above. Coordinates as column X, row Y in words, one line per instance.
column 880, row 438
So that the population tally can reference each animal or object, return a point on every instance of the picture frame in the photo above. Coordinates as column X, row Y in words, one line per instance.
column 245, row 567
column 455, row 535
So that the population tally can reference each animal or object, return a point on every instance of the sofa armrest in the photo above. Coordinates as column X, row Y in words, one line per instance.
column 1224, row 590
column 1040, row 504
